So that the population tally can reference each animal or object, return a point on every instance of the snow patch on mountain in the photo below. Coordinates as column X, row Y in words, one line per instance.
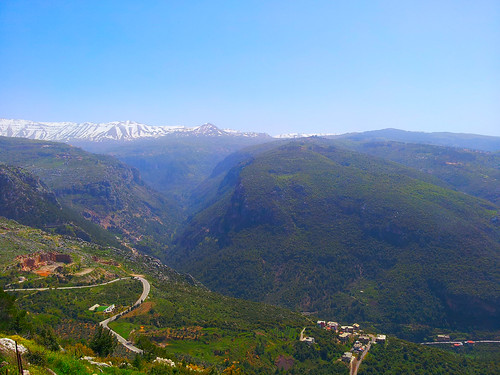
column 115, row 131
column 302, row 135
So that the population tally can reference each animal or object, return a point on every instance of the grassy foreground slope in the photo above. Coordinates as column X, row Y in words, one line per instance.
column 102, row 189
column 317, row 228
column 181, row 319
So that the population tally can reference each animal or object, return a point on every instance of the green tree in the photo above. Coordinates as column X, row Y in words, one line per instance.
column 103, row 342
column 11, row 318
column 47, row 337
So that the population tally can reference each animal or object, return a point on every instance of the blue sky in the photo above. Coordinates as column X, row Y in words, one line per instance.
column 273, row 66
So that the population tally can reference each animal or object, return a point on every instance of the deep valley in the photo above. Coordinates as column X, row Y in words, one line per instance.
column 248, row 243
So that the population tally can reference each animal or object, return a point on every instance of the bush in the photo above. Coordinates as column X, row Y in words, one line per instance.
column 36, row 358
column 47, row 338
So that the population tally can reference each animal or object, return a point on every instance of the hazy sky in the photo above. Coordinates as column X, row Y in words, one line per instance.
column 273, row 66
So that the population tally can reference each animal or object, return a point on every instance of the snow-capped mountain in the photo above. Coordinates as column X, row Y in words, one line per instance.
column 116, row 131
column 301, row 135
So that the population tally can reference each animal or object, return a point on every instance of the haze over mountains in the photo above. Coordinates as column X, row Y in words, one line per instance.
column 399, row 231
column 174, row 160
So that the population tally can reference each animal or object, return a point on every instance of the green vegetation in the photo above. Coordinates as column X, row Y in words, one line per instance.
column 98, row 188
column 304, row 224
column 11, row 318
column 317, row 228
column 473, row 172
column 401, row 357
column 26, row 199
column 42, row 361
column 181, row 320
column 103, row 343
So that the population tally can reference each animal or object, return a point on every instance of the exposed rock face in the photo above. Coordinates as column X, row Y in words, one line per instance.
column 31, row 262
column 10, row 345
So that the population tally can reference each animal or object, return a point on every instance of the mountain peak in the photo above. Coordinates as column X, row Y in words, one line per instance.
column 111, row 131
column 209, row 130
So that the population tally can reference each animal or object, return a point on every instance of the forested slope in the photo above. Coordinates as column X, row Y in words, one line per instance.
column 318, row 228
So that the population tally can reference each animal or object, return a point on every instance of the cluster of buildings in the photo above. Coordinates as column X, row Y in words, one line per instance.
column 347, row 333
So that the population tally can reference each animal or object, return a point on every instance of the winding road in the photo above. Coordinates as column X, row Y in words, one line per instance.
column 146, row 288
column 302, row 334
column 65, row 287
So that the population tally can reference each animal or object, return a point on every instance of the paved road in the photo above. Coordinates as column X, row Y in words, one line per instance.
column 146, row 288
column 357, row 362
column 302, row 334
column 65, row 287
column 461, row 342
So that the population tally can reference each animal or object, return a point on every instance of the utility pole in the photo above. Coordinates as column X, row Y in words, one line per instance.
column 19, row 361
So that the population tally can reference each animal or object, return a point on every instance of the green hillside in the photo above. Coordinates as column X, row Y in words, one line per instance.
column 459, row 140
column 26, row 199
column 473, row 172
column 401, row 357
column 181, row 319
column 100, row 188
column 296, row 196
column 317, row 228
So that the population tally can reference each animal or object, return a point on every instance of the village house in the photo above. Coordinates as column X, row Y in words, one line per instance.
column 347, row 357
column 344, row 336
column 104, row 309
column 355, row 326
column 381, row 339
column 347, row 329
column 443, row 337
column 321, row 323
column 365, row 339
column 360, row 350
column 333, row 326
column 309, row 340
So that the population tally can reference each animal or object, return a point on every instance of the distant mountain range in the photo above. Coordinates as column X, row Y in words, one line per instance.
column 457, row 140
column 88, row 132
column 111, row 131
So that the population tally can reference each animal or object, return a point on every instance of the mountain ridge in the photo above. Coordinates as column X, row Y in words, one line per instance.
column 111, row 131
column 121, row 131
